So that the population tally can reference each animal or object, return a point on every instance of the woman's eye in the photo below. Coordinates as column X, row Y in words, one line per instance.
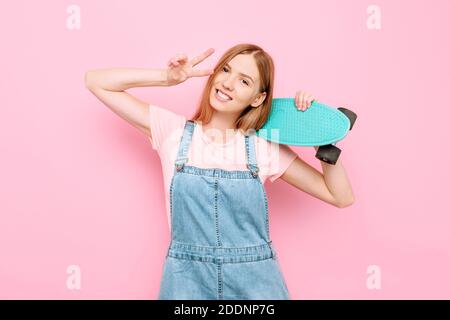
column 226, row 70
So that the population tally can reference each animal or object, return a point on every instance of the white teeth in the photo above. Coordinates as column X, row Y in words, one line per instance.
column 220, row 94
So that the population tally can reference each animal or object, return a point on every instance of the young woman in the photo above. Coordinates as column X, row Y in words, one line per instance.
column 214, row 169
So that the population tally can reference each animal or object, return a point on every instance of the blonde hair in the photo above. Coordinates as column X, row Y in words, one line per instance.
column 251, row 118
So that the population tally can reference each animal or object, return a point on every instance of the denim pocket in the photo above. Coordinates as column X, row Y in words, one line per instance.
column 176, row 265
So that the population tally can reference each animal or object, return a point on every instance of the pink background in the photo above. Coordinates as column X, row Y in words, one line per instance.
column 80, row 186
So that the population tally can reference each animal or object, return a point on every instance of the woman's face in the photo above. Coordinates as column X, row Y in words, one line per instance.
column 239, row 80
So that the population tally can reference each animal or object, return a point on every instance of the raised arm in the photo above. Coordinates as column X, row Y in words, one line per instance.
column 109, row 86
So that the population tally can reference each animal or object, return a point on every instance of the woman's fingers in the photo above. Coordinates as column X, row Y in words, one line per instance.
column 309, row 100
column 202, row 57
column 202, row 73
column 297, row 100
column 182, row 58
column 177, row 60
column 303, row 100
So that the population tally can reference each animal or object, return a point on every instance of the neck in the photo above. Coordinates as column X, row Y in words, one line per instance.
column 221, row 128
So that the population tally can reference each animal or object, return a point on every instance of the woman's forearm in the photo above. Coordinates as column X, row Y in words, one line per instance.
column 337, row 181
column 120, row 79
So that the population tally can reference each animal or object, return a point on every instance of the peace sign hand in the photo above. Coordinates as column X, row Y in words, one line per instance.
column 181, row 69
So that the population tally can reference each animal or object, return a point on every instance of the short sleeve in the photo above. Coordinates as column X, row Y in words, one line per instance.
column 280, row 163
column 162, row 122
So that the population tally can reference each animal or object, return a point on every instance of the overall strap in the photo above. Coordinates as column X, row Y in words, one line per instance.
column 184, row 145
column 251, row 154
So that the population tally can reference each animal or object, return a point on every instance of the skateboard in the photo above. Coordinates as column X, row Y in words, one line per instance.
column 319, row 125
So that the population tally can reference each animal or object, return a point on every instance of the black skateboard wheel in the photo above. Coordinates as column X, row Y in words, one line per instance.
column 328, row 153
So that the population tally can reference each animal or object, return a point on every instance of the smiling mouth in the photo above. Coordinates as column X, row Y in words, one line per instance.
column 219, row 97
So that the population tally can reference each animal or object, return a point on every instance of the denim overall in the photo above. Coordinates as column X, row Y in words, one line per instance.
column 220, row 246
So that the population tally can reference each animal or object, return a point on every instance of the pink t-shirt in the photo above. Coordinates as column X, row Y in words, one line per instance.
column 167, row 129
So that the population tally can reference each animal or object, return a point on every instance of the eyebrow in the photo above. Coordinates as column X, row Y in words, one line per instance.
column 242, row 74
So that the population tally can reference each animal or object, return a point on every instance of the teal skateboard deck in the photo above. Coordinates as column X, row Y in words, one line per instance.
column 319, row 125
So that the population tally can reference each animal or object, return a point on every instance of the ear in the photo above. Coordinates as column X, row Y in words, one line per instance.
column 259, row 100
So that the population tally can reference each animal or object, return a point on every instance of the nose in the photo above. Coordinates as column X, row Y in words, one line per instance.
column 228, row 83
